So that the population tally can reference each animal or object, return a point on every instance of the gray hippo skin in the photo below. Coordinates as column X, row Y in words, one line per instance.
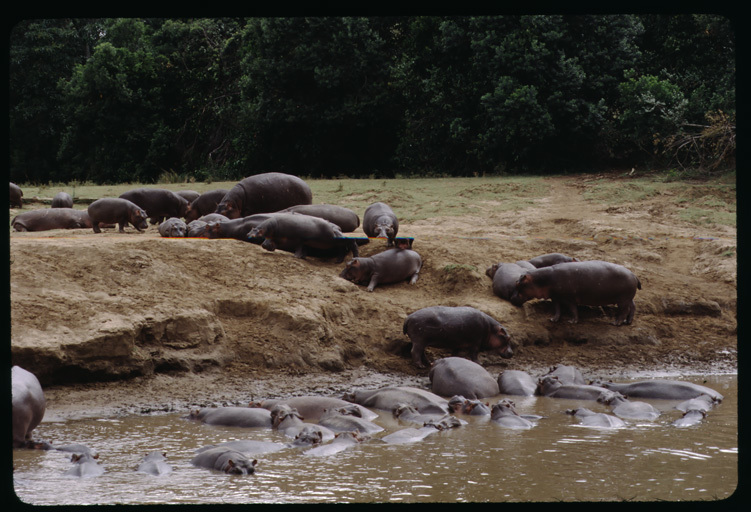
column 551, row 386
column 158, row 203
column 249, row 417
column 567, row 374
column 516, row 382
column 51, row 218
column 115, row 210
column 312, row 407
column 694, row 410
column 460, row 405
column 410, row 414
column 173, row 228
column 666, row 389
column 505, row 277
column 84, row 466
column 339, row 420
column 155, row 463
column 288, row 421
column 459, row 376
column 189, row 195
column 390, row 266
column 225, row 460
column 413, row 435
column 16, row 196
column 547, row 260
column 62, row 200
column 589, row 283
column 456, row 328
column 379, row 220
column 237, row 229
column 197, row 229
column 341, row 442
column 624, row 408
column 247, row 447
column 297, row 233
column 593, row 419
column 346, row 219
column 29, row 405
column 504, row 414
column 390, row 397
column 204, row 204
column 264, row 193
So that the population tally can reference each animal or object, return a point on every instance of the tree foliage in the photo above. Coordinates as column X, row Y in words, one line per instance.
column 117, row 100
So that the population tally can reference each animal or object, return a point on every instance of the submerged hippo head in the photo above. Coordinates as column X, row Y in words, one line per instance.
column 239, row 466
column 503, row 408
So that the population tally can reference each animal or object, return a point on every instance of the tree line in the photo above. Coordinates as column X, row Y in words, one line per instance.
column 142, row 99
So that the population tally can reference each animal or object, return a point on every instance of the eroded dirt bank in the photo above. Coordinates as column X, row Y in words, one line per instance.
column 133, row 321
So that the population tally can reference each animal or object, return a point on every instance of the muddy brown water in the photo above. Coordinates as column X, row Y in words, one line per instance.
column 557, row 460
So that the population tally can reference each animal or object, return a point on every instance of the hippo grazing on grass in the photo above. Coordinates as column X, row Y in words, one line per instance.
column 225, row 460
column 115, row 210
column 84, row 466
column 547, row 260
column 459, row 376
column 455, row 328
column 62, row 200
column 16, row 196
column 390, row 397
column 173, row 228
column 264, row 193
column 390, row 266
column 346, row 219
column 28, row 406
column 593, row 419
column 155, row 463
column 205, row 204
column 233, row 416
column 158, row 203
column 45, row 219
column 516, row 382
column 504, row 414
column 505, row 277
column 659, row 388
column 380, row 221
column 589, row 283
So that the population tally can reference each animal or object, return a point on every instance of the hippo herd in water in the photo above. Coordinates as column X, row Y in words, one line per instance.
column 275, row 210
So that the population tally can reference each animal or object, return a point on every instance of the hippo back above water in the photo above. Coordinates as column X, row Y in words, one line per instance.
column 264, row 193
column 459, row 376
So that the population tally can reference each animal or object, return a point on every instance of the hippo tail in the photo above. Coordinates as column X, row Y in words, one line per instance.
column 638, row 284
column 404, row 326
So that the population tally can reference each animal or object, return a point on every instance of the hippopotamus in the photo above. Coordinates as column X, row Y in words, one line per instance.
column 233, row 416
column 379, row 220
column 389, row 266
column 16, row 196
column 624, row 408
column 588, row 418
column 413, row 435
column 225, row 460
column 264, row 193
column 567, row 374
column 235, row 228
column 505, row 277
column 158, row 203
column 189, row 195
column 298, row 233
column 312, row 407
column 204, row 204
column 455, row 327
column 155, row 463
column 589, row 283
column 45, row 219
column 516, row 382
column 340, row 420
column 197, row 229
column 173, row 228
column 115, row 210
column 288, row 421
column 247, row 447
column 62, row 200
column 694, row 410
column 28, row 407
column 504, row 414
column 84, row 466
column 390, row 397
column 658, row 388
column 551, row 386
column 459, row 376
column 346, row 219
column 410, row 414
column 460, row 405
column 547, row 260
column 342, row 441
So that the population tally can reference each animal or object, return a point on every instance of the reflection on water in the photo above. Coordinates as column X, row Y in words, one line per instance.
column 556, row 460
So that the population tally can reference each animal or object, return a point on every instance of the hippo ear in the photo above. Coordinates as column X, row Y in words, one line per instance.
column 231, row 463
column 524, row 279
column 255, row 461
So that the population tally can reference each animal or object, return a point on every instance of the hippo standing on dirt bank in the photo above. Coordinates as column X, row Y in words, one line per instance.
column 62, row 200
column 589, row 283
column 264, row 193
column 16, row 196
column 460, row 327
column 158, row 203
column 380, row 221
column 389, row 266
column 114, row 210
column 29, row 405
column 298, row 233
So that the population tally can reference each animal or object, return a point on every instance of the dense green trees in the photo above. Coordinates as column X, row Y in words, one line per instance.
column 114, row 100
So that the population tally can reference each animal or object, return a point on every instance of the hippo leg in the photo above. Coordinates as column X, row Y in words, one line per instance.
column 373, row 282
column 418, row 355
column 556, row 311
column 122, row 226
column 95, row 225
column 413, row 280
column 625, row 313
column 301, row 252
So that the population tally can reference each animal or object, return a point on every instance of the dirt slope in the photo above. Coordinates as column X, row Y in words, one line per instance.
column 136, row 321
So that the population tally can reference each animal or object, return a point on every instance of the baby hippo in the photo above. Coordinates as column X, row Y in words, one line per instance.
column 379, row 220
column 389, row 266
